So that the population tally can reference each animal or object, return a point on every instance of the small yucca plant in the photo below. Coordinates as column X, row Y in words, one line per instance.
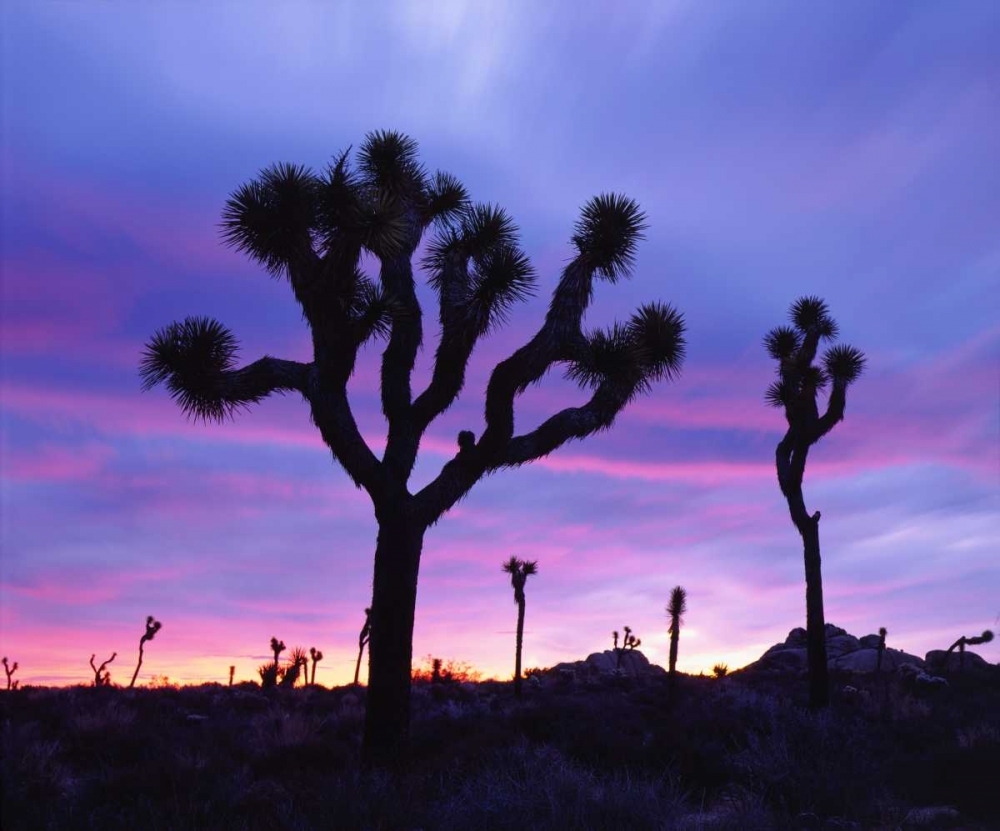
column 720, row 670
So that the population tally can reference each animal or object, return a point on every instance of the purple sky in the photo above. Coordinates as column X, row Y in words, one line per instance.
column 844, row 149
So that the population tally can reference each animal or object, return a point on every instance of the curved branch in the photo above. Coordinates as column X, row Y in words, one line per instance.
column 332, row 414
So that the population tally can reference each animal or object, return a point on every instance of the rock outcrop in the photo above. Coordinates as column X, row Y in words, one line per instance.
column 939, row 660
column 844, row 652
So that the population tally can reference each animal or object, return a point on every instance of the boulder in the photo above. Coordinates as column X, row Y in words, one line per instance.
column 939, row 660
column 870, row 641
column 633, row 662
column 866, row 660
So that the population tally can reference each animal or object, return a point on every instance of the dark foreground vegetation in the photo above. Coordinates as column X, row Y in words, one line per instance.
column 736, row 752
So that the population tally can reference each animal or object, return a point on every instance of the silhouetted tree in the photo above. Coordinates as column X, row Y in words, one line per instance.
column 720, row 670
column 363, row 638
column 519, row 571
column 152, row 627
column 277, row 647
column 102, row 676
column 232, row 672
column 962, row 642
column 882, row 632
column 313, row 229
column 676, row 609
column 296, row 667
column 10, row 670
column 630, row 641
column 269, row 674
column 316, row 656
column 796, row 390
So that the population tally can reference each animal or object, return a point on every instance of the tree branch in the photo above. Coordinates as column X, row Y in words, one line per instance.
column 332, row 414
column 834, row 412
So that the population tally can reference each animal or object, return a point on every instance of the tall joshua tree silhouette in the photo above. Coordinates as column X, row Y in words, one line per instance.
column 312, row 229
column 363, row 638
column 519, row 571
column 152, row 627
column 796, row 390
column 676, row 609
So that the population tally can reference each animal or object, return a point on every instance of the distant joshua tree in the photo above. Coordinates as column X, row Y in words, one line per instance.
column 271, row 673
column 366, row 632
column 10, row 670
column 314, row 229
column 882, row 632
column 519, row 571
column 102, row 676
column 152, row 627
column 630, row 641
column 962, row 642
column 277, row 647
column 720, row 670
column 796, row 390
column 232, row 672
column 316, row 657
column 676, row 609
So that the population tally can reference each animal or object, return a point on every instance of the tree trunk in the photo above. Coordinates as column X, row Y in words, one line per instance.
column 520, row 643
column 137, row 666
column 819, row 684
column 357, row 666
column 674, row 638
column 390, row 645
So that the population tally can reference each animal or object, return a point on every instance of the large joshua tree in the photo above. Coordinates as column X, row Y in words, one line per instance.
column 676, row 609
column 519, row 571
column 796, row 392
column 152, row 627
column 312, row 229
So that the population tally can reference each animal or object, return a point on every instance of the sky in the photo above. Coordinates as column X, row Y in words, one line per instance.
column 847, row 150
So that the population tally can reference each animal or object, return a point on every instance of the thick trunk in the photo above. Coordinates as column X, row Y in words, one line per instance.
column 819, row 685
column 357, row 666
column 674, row 638
column 390, row 646
column 137, row 666
column 520, row 642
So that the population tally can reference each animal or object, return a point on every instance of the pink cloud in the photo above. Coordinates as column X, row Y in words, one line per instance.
column 54, row 463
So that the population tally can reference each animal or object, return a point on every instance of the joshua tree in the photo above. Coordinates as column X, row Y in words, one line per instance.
column 720, row 670
column 962, row 642
column 296, row 668
column 316, row 656
column 269, row 674
column 277, row 647
column 363, row 638
column 10, row 670
column 630, row 641
column 102, row 676
column 676, row 609
column 796, row 390
column 313, row 230
column 232, row 672
column 519, row 571
column 882, row 632
column 152, row 627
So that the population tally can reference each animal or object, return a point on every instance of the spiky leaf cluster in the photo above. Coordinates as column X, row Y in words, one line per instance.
column 811, row 314
column 190, row 357
column 677, row 607
column 844, row 364
column 607, row 234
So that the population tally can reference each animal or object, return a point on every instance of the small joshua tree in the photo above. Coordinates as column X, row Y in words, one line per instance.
column 630, row 641
column 102, row 676
column 316, row 657
column 296, row 668
column 10, row 670
column 366, row 632
column 720, row 670
column 882, row 632
column 269, row 674
column 519, row 571
column 152, row 627
column 962, row 642
column 676, row 609
column 232, row 672
column 277, row 647
column 313, row 229
column 796, row 390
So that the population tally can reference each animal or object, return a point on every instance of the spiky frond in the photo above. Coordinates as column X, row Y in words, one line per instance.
column 272, row 218
column 189, row 357
column 779, row 394
column 511, row 566
column 530, row 567
column 844, row 363
column 782, row 342
column 447, row 198
column 390, row 164
column 657, row 334
column 811, row 314
column 607, row 233
column 677, row 607
column 986, row 637
column 372, row 309
column 503, row 276
column 606, row 354
column 813, row 377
